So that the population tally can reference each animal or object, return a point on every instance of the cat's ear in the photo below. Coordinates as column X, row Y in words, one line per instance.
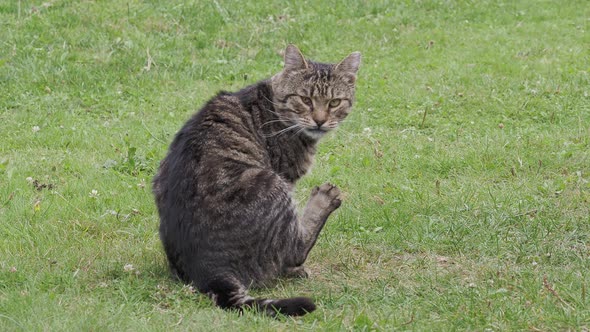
column 294, row 60
column 350, row 64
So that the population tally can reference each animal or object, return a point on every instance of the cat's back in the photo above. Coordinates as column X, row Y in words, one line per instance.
column 224, row 123
column 221, row 138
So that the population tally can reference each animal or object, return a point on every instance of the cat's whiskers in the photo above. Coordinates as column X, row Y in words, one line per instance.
column 298, row 132
column 272, row 102
column 272, row 121
column 284, row 130
column 332, row 125
column 272, row 112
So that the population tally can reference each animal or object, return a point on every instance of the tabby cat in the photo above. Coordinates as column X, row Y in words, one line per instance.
column 224, row 191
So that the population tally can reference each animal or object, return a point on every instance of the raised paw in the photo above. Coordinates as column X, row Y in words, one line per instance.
column 325, row 197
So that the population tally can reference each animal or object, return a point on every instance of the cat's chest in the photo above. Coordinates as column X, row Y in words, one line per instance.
column 292, row 161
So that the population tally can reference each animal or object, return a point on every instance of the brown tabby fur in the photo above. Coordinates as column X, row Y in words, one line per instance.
column 223, row 192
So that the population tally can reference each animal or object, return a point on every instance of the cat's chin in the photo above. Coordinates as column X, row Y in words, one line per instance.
column 314, row 133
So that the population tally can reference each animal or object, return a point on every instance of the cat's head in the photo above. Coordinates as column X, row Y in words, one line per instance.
column 314, row 97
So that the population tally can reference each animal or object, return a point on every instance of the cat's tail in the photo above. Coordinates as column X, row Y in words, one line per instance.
column 229, row 294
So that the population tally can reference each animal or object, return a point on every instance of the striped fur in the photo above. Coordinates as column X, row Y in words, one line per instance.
column 223, row 192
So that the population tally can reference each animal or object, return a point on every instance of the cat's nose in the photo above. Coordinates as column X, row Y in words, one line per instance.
column 320, row 122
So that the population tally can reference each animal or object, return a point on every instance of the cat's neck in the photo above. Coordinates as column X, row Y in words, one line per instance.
column 291, row 152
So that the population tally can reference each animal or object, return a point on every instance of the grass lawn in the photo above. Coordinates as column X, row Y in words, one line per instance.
column 465, row 165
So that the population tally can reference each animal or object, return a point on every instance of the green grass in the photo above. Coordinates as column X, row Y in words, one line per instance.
column 465, row 165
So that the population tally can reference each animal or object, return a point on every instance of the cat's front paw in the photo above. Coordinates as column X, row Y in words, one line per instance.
column 326, row 197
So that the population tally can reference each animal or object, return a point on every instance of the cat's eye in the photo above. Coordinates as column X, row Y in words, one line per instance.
column 306, row 100
column 334, row 102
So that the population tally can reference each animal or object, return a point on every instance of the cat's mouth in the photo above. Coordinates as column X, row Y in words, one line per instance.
column 315, row 132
